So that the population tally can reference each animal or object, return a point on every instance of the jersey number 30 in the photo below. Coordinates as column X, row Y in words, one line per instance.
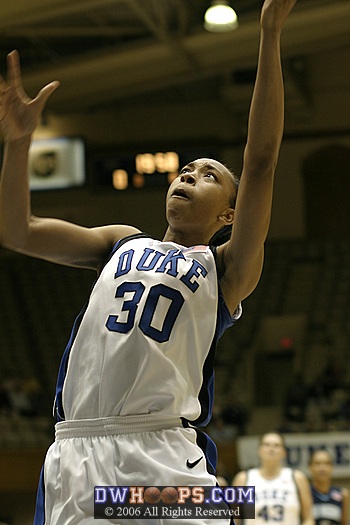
column 130, row 305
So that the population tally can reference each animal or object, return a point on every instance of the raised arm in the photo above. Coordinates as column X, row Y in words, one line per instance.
column 51, row 239
column 242, row 257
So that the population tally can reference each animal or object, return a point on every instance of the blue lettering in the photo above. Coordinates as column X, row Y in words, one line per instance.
column 196, row 270
column 154, row 260
column 100, row 495
column 216, row 494
column 293, row 455
column 230, row 494
column 170, row 259
column 175, row 305
column 247, row 495
column 118, row 494
column 141, row 265
column 340, row 450
column 124, row 263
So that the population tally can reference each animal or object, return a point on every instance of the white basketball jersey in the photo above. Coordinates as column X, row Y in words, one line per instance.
column 276, row 500
column 144, row 343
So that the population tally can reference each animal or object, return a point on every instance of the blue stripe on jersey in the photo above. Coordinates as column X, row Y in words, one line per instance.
column 209, row 449
column 59, row 412
column 211, row 455
column 206, row 394
column 39, row 518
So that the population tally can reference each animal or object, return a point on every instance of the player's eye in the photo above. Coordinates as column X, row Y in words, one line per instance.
column 210, row 175
column 184, row 170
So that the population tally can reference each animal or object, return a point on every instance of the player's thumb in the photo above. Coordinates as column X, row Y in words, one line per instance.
column 46, row 92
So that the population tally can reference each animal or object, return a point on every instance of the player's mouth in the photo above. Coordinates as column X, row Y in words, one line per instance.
column 180, row 193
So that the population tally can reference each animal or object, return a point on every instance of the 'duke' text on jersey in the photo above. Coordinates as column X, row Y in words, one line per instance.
column 161, row 263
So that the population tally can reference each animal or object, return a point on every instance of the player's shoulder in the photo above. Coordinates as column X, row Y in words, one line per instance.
column 120, row 231
column 240, row 478
column 299, row 474
column 300, row 478
column 109, row 237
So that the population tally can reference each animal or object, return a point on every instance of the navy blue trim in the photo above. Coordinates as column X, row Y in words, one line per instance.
column 122, row 241
column 206, row 395
column 59, row 412
column 209, row 450
column 39, row 517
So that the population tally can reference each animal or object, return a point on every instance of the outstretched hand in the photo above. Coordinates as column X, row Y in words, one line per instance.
column 274, row 13
column 19, row 114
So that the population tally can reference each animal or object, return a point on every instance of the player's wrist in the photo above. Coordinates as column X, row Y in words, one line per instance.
column 17, row 141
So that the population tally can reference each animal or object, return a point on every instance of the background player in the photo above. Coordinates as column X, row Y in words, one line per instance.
column 281, row 494
column 330, row 503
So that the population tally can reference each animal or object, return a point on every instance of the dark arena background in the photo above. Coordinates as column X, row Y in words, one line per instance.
column 145, row 88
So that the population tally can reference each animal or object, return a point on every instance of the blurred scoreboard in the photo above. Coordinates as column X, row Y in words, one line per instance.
column 142, row 170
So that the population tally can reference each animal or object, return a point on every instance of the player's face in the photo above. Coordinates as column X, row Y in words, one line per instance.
column 271, row 448
column 321, row 466
column 201, row 195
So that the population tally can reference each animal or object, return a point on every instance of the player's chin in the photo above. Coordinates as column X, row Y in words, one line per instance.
column 175, row 208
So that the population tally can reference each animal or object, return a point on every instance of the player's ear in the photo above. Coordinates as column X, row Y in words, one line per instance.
column 227, row 217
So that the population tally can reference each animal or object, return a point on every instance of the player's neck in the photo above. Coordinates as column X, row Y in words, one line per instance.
column 322, row 485
column 271, row 470
column 184, row 238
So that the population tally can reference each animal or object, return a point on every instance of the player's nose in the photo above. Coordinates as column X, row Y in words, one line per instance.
column 188, row 178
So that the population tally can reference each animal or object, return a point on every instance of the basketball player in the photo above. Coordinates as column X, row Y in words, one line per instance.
column 136, row 375
column 330, row 503
column 281, row 494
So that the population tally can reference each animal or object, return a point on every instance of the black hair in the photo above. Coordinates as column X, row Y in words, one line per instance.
column 236, row 181
column 223, row 235
column 312, row 456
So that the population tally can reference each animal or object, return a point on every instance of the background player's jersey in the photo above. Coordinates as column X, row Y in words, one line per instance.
column 327, row 507
column 144, row 343
column 276, row 500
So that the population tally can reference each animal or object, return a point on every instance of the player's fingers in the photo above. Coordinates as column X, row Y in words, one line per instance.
column 13, row 67
column 3, row 84
column 15, row 74
column 4, row 91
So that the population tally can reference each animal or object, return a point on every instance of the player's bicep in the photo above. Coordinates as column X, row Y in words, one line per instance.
column 242, row 256
column 70, row 244
column 238, row 280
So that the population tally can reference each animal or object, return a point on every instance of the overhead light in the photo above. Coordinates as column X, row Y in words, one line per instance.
column 220, row 17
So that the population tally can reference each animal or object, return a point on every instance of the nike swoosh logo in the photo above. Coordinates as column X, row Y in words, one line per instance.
column 191, row 464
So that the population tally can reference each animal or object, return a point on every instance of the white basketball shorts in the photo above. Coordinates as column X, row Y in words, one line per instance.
column 120, row 451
